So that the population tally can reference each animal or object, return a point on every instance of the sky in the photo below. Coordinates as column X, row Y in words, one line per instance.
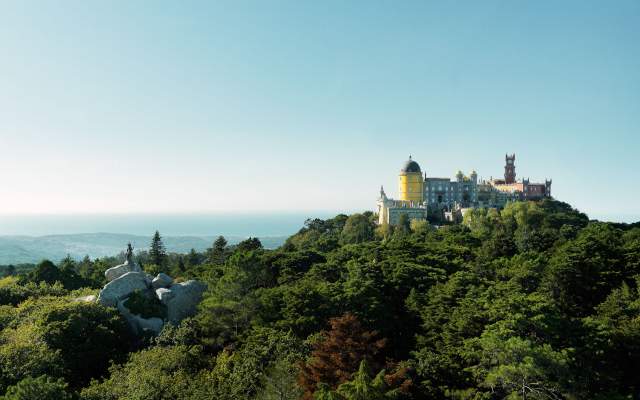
column 183, row 107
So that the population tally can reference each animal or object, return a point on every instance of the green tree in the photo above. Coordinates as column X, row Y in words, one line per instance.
column 265, row 365
column 481, row 221
column 357, row 229
column 519, row 368
column 317, row 234
column 181, row 268
column 193, row 258
column 157, row 252
column 249, row 244
column 24, row 354
column 383, row 231
column 69, row 275
column 360, row 387
column 403, row 228
column 279, row 382
column 216, row 254
column 229, row 305
column 159, row 373
column 419, row 226
column 501, row 243
column 584, row 271
column 79, row 338
column 92, row 272
column 14, row 293
column 182, row 372
column 40, row 388
column 46, row 271
column 611, row 354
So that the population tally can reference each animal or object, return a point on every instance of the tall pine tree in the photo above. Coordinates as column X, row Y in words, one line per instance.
column 157, row 253
column 193, row 258
column 216, row 253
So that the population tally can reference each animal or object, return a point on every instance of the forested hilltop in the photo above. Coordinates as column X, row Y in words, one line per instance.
column 533, row 302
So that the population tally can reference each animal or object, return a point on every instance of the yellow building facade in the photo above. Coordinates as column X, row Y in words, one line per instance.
column 411, row 183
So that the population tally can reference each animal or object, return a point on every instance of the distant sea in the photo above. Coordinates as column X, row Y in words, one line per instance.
column 30, row 238
column 232, row 224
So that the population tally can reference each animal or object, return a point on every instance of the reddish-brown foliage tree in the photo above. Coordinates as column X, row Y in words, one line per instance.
column 400, row 378
column 337, row 356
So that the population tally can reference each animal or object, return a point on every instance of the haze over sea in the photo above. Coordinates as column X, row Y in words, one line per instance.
column 261, row 224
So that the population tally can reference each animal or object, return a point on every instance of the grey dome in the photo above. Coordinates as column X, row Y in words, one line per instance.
column 410, row 166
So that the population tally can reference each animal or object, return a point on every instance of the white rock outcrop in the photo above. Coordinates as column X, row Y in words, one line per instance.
column 180, row 299
column 122, row 287
column 164, row 294
column 87, row 299
column 183, row 300
column 119, row 270
column 161, row 281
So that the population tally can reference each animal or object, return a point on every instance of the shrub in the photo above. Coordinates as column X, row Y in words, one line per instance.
column 40, row 388
column 145, row 306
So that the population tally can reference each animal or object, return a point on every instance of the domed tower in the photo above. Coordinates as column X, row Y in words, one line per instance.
column 411, row 182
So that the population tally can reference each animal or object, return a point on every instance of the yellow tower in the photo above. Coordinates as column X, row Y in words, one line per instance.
column 411, row 182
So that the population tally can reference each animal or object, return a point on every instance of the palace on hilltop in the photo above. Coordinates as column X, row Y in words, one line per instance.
column 445, row 199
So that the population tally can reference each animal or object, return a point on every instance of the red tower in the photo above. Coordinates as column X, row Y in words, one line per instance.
column 510, row 169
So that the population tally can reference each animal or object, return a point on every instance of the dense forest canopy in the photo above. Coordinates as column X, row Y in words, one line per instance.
column 531, row 302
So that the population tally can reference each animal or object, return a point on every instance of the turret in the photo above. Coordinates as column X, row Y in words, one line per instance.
column 510, row 168
column 474, row 176
column 383, row 195
column 383, row 210
column 411, row 183
column 547, row 187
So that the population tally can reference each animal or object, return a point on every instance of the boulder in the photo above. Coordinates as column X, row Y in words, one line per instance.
column 161, row 281
column 119, row 270
column 153, row 325
column 138, row 324
column 122, row 287
column 164, row 294
column 183, row 299
column 88, row 299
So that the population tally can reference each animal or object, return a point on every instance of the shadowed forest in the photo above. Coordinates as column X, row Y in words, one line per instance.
column 531, row 302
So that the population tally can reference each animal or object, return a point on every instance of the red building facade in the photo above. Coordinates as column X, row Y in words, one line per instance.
column 520, row 190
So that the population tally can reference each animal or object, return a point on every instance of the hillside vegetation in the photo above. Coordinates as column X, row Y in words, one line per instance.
column 533, row 302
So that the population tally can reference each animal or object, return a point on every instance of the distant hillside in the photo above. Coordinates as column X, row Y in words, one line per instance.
column 31, row 249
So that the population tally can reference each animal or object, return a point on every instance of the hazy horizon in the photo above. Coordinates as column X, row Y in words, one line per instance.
column 242, row 224
column 196, row 224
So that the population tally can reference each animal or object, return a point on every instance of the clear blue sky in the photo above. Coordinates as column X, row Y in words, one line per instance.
column 178, row 106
